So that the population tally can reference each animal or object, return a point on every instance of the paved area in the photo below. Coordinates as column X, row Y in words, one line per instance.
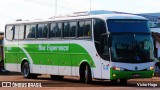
column 72, row 83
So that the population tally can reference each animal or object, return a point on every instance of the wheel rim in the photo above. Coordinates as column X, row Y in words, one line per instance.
column 25, row 70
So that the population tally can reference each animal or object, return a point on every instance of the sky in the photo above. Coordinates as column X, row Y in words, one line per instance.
column 11, row 10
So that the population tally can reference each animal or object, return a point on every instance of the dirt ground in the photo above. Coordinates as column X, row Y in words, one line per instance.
column 72, row 83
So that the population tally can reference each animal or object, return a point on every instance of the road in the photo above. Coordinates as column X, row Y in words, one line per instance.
column 72, row 83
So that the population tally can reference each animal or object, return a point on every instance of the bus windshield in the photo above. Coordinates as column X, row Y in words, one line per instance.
column 132, row 48
column 131, row 41
column 127, row 26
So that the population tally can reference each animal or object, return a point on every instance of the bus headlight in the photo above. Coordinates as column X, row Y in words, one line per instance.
column 151, row 68
column 116, row 68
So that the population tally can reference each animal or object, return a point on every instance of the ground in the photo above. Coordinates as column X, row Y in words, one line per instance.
column 72, row 83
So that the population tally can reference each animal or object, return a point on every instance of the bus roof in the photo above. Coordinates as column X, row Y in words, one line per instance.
column 101, row 16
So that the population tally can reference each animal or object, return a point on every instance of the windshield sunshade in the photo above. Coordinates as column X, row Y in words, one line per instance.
column 127, row 26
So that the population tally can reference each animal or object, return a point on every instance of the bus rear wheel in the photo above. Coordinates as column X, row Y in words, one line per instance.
column 26, row 71
column 85, row 74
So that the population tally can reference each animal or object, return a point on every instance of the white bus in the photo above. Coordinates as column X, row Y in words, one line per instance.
column 104, row 46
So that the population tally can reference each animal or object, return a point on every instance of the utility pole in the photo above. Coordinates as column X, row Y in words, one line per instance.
column 90, row 5
column 55, row 7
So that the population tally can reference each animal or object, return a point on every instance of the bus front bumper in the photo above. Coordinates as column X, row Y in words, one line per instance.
column 130, row 74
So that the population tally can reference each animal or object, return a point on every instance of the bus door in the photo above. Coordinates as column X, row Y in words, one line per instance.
column 105, row 58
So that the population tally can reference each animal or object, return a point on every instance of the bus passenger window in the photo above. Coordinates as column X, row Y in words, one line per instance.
column 45, row 31
column 16, row 31
column 72, row 31
column 87, row 31
column 66, row 29
column 30, row 31
column 9, row 32
column 39, row 31
column 59, row 29
column 80, row 29
column 21, row 32
column 84, row 28
column 55, row 30
column 42, row 31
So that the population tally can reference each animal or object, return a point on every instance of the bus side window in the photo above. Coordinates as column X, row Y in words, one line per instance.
column 80, row 29
column 66, row 29
column 59, row 29
column 55, row 30
column 45, row 31
column 21, row 32
column 87, row 31
column 73, row 27
column 42, row 30
column 16, row 32
column 84, row 29
column 30, row 31
column 9, row 32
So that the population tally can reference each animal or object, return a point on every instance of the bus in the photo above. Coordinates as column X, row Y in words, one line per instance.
column 1, row 52
column 114, row 47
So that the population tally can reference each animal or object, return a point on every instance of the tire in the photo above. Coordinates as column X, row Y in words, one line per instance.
column 114, row 81
column 85, row 74
column 26, row 71
column 123, row 81
column 56, row 77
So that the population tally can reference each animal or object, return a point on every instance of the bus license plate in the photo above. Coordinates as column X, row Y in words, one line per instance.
column 136, row 75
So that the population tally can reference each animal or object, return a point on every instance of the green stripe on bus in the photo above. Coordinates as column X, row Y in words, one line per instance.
column 50, row 54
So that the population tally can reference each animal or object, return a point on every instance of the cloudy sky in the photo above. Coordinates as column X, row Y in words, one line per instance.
column 10, row 10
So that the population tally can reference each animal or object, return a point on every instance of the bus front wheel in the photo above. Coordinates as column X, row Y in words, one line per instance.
column 114, row 81
column 85, row 74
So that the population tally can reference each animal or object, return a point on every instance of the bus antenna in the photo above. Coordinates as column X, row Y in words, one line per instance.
column 90, row 4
